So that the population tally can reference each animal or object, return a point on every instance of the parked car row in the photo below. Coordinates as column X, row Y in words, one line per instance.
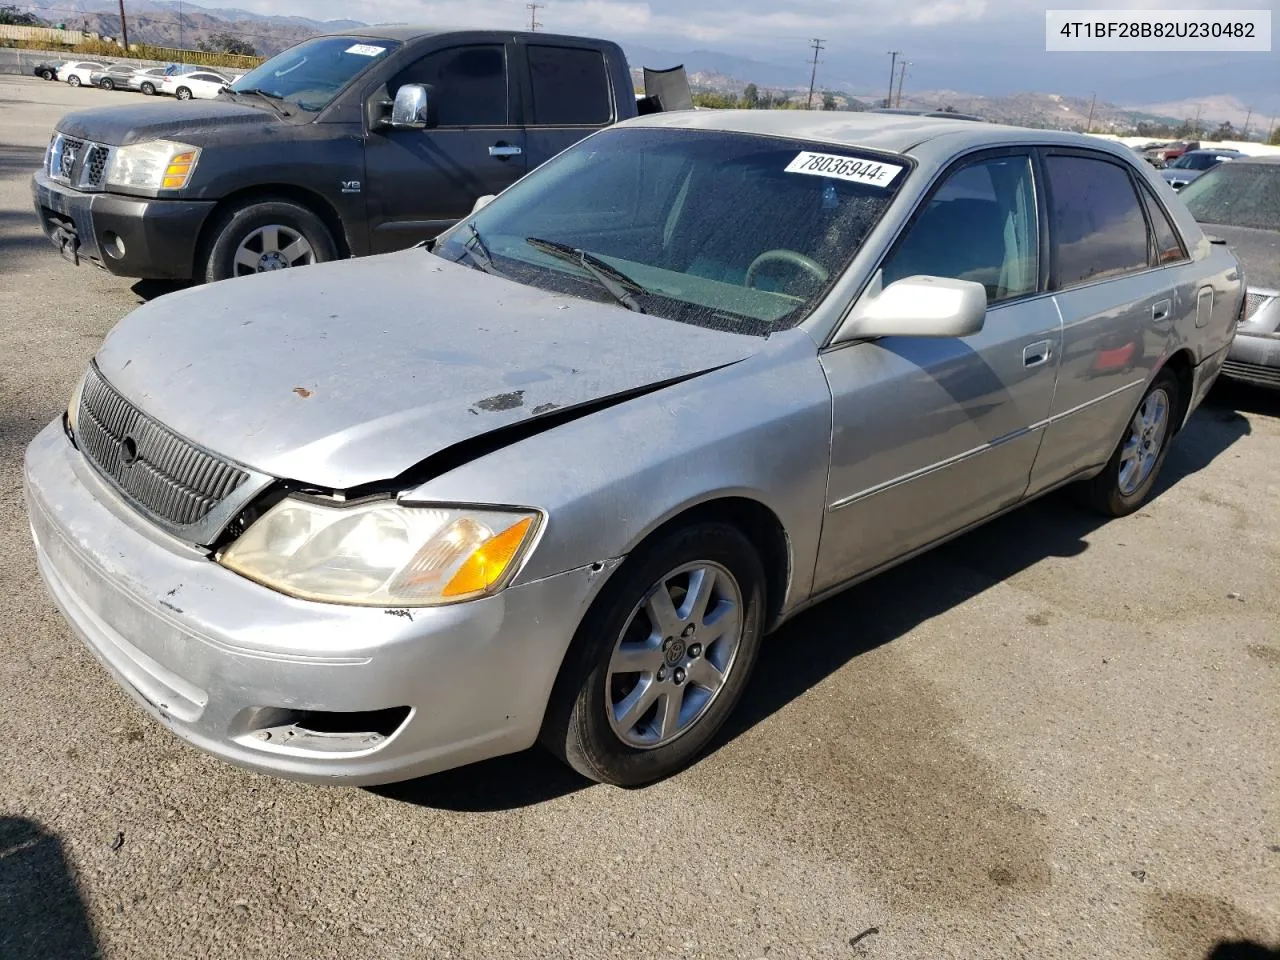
column 1195, row 162
column 184, row 82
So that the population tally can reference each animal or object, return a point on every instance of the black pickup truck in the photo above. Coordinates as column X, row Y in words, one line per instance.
column 347, row 144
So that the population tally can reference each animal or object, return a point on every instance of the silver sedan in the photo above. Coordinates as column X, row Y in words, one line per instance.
column 555, row 476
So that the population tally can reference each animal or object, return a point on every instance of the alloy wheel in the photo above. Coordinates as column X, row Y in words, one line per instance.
column 1145, row 439
column 273, row 247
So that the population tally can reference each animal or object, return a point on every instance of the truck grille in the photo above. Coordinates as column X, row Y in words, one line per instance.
column 151, row 465
column 78, row 163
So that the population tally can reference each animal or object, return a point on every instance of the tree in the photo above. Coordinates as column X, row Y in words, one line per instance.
column 1274, row 139
column 226, row 43
column 715, row 101
column 13, row 17
column 751, row 96
column 1224, row 132
column 829, row 100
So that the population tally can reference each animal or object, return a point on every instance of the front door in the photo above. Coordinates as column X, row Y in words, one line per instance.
column 422, row 181
column 932, row 435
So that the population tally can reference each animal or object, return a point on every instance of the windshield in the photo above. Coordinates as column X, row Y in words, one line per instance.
column 724, row 230
column 311, row 74
column 1236, row 194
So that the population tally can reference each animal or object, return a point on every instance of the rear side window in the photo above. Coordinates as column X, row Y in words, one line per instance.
column 1167, row 247
column 569, row 87
column 1097, row 225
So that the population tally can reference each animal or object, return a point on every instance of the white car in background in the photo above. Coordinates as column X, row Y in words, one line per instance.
column 199, row 84
column 76, row 72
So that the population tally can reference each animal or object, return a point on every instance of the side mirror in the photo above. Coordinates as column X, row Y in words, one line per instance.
column 411, row 108
column 482, row 202
column 916, row 307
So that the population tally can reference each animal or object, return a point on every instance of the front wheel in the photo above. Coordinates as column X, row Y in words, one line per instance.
column 184, row 93
column 107, row 83
column 73, row 80
column 266, row 235
column 661, row 659
column 149, row 89
column 1126, row 481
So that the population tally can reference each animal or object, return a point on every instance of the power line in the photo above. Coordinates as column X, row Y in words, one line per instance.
column 893, row 64
column 533, row 9
column 813, row 75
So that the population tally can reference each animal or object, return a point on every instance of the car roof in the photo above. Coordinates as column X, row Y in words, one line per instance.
column 1272, row 159
column 404, row 32
column 894, row 133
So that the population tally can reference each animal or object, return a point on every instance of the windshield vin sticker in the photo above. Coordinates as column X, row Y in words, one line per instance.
column 871, row 172
column 365, row 49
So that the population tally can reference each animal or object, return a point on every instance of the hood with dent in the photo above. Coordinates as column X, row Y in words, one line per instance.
column 191, row 121
column 1257, row 250
column 352, row 372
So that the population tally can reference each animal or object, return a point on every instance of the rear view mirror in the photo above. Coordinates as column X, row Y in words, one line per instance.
column 411, row 108
column 482, row 202
column 917, row 307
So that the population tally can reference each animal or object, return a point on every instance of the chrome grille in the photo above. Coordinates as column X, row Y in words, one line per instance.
column 77, row 162
column 151, row 465
column 1255, row 373
column 1253, row 302
column 95, row 165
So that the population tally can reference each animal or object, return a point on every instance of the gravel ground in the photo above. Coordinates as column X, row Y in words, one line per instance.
column 1051, row 738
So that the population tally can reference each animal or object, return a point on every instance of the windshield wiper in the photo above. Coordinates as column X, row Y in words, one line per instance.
column 613, row 280
column 477, row 251
column 270, row 99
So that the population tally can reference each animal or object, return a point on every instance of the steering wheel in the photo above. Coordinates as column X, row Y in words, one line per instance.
column 791, row 257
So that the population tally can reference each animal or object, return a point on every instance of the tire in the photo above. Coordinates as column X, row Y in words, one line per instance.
column 583, row 726
column 148, row 89
column 238, row 225
column 46, row 74
column 183, row 93
column 1117, row 494
column 106, row 83
column 73, row 80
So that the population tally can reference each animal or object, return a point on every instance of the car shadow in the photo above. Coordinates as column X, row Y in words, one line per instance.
column 148, row 290
column 1243, row 950
column 820, row 641
column 42, row 914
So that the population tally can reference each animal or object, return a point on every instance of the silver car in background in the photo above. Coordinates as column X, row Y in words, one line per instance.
column 554, row 476
column 1239, row 203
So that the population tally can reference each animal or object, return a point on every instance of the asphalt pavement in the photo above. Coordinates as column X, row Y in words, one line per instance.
column 1054, row 737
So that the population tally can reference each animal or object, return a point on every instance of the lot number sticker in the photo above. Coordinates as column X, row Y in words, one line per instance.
column 871, row 172
column 365, row 49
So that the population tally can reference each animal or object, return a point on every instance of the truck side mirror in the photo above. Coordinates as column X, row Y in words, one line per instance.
column 411, row 109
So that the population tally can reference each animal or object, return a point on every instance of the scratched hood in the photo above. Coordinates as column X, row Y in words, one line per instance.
column 191, row 121
column 352, row 372
column 1257, row 250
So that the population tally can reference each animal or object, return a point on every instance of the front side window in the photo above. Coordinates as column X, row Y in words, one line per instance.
column 1238, row 194
column 468, row 84
column 723, row 230
column 311, row 74
column 569, row 87
column 1097, row 226
column 980, row 225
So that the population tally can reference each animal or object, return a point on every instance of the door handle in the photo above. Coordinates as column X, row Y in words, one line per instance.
column 504, row 150
column 1033, row 355
column 1160, row 311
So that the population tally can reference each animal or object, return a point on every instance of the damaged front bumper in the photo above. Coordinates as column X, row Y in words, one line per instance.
column 308, row 691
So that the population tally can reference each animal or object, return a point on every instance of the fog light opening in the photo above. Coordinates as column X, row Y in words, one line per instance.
column 324, row 731
column 113, row 245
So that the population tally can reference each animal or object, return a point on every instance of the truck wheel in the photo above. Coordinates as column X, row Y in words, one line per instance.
column 661, row 659
column 184, row 93
column 73, row 80
column 267, row 235
column 149, row 89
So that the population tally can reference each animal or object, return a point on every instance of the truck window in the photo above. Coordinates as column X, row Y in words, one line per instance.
column 570, row 87
column 469, row 84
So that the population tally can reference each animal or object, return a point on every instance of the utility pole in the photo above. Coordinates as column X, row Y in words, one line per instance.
column 533, row 9
column 124, row 28
column 1088, row 127
column 893, row 65
column 1244, row 135
column 813, row 75
column 1195, row 124
column 902, row 76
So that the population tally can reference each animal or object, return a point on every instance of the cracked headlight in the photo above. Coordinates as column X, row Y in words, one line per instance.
column 383, row 554
column 153, row 165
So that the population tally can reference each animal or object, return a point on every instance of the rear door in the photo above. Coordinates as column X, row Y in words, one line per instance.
column 567, row 95
column 1121, row 284
column 422, row 181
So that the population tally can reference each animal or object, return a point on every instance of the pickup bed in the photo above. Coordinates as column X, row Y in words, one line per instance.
column 346, row 144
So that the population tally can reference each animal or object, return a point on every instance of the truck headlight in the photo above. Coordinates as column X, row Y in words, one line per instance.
column 153, row 165
column 382, row 554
